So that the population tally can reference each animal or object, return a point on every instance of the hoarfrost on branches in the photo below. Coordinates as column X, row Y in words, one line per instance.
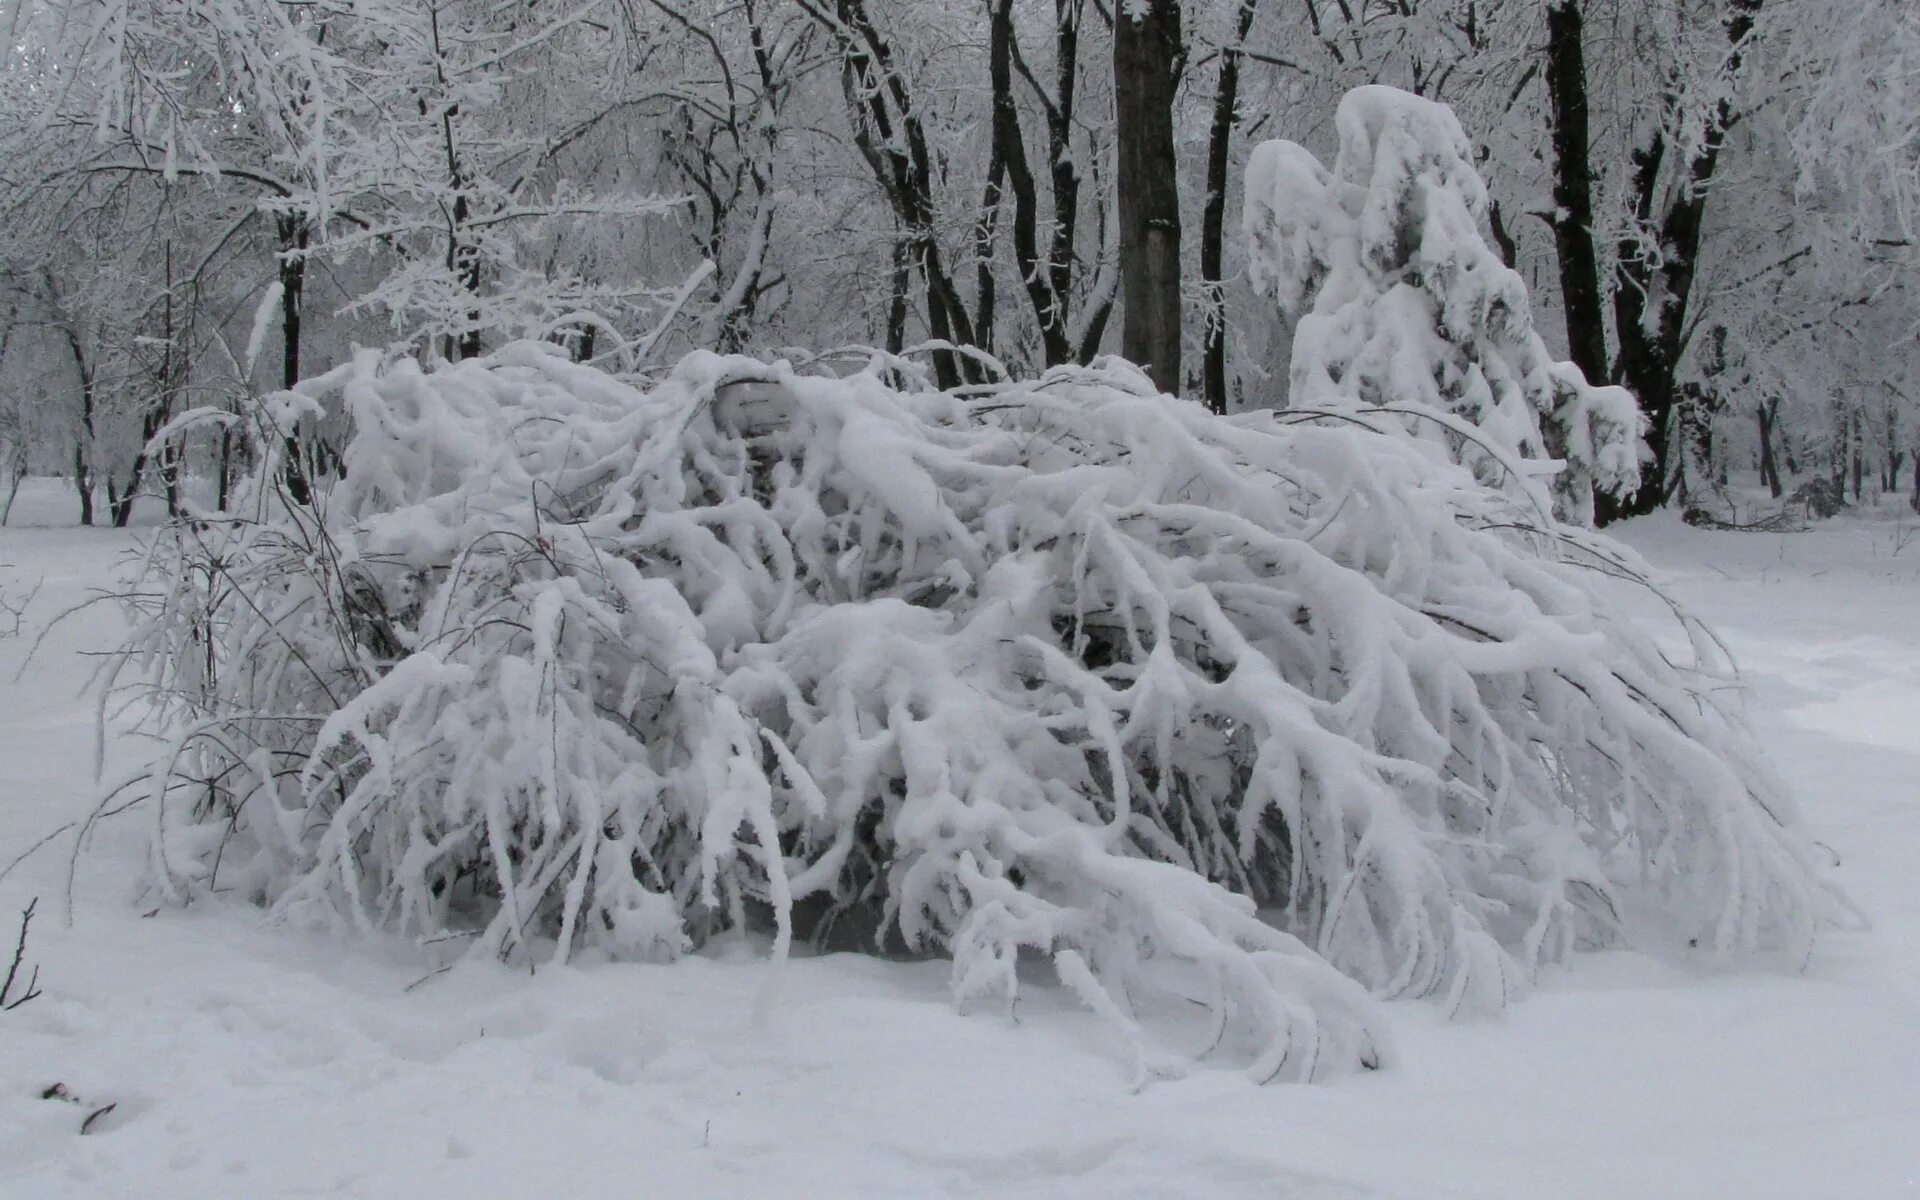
column 1401, row 303
column 1247, row 717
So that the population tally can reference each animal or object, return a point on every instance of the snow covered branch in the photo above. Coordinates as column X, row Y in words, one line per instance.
column 1232, row 720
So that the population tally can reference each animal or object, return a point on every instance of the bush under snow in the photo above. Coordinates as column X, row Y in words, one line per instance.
column 1246, row 717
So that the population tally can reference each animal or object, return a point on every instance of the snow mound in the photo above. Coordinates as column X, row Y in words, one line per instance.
column 1237, row 717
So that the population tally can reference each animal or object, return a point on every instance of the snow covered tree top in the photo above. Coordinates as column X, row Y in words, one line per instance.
column 1401, row 305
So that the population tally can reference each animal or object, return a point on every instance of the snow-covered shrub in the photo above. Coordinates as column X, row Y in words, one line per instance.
column 1402, row 306
column 1241, row 716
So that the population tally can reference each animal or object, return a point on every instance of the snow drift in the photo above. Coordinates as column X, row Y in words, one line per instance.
column 1240, row 716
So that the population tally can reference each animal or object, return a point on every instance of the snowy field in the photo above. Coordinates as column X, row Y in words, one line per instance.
column 247, row 1061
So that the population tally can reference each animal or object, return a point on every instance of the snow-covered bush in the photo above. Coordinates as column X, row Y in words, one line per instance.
column 1402, row 306
column 1242, row 716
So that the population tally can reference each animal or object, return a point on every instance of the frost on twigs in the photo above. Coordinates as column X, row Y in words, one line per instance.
column 1234, row 720
column 1402, row 306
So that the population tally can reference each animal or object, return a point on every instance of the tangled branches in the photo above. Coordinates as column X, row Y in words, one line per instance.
column 1245, row 716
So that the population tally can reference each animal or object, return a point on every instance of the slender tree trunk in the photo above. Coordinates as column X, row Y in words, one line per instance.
column 1213, row 220
column 83, row 480
column 1694, row 472
column 83, row 437
column 892, row 138
column 293, row 237
column 1767, row 413
column 1010, row 155
column 223, row 466
column 158, row 409
column 897, row 300
column 1147, row 54
column 1891, row 478
column 1061, row 167
column 1838, row 459
column 1566, row 75
column 1856, row 448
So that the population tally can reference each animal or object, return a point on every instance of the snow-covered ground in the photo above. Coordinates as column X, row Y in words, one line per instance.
column 247, row 1061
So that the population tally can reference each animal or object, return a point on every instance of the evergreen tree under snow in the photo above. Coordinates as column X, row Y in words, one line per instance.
column 1401, row 306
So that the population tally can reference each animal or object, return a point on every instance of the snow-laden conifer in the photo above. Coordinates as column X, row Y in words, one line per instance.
column 1239, row 717
column 1400, row 304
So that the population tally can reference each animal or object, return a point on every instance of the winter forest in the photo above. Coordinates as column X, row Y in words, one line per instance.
column 947, row 589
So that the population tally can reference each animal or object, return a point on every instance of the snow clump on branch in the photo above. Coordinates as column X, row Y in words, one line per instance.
column 1246, row 717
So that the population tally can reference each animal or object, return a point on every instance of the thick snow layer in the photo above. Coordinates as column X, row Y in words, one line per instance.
column 255, row 1062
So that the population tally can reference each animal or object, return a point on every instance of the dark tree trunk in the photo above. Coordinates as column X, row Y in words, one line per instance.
column 1837, row 458
column 463, row 258
column 292, row 231
column 1856, row 449
column 1890, row 480
column 159, row 408
column 1213, row 220
column 1694, row 472
column 83, row 481
column 83, row 437
column 1147, row 53
column 1767, row 413
column 121, row 500
column 892, row 138
column 1650, row 357
column 1060, row 165
column 1010, row 153
column 897, row 301
column 1573, row 189
column 223, row 467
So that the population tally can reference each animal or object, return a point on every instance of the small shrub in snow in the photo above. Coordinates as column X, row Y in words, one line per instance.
column 15, row 989
column 1246, row 717
column 1402, row 307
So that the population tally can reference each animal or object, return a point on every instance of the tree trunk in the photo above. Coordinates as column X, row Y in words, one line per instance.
column 293, row 235
column 1856, row 448
column 1891, row 479
column 1837, row 460
column 1147, row 53
column 121, row 500
column 1010, row 154
column 1573, row 189
column 897, row 300
column 1694, row 472
column 1767, row 413
column 1213, row 220
column 158, row 409
column 892, row 138
column 1652, row 345
column 83, row 437
column 223, row 465
column 83, row 481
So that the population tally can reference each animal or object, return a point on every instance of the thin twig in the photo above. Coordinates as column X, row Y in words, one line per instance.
column 13, row 970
